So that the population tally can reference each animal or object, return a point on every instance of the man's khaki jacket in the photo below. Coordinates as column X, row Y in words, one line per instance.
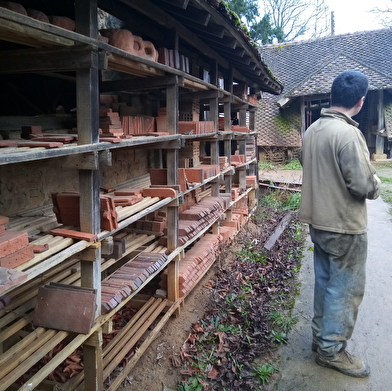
column 337, row 175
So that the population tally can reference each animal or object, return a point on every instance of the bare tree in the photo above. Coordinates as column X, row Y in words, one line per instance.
column 384, row 14
column 295, row 18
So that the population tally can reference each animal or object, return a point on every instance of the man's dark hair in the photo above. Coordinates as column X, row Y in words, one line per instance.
column 348, row 88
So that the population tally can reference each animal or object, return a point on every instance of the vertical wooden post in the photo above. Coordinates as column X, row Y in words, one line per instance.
column 172, row 104
column 87, row 95
column 380, row 123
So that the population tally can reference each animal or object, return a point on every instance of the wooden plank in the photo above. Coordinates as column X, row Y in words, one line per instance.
column 141, row 84
column 146, row 206
column 54, row 247
column 18, row 325
column 13, row 29
column 33, row 359
column 278, row 231
column 24, row 349
column 48, row 60
column 10, row 278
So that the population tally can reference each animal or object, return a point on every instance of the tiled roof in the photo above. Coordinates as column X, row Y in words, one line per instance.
column 307, row 67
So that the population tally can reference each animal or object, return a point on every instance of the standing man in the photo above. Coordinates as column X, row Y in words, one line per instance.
column 337, row 179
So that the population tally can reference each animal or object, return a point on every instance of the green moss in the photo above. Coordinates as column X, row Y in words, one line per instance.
column 283, row 123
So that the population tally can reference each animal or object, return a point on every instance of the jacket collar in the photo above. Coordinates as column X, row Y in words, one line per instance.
column 337, row 114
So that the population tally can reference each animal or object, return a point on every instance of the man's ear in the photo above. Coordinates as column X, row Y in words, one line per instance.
column 361, row 102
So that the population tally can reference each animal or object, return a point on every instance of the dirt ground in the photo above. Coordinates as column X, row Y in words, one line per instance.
column 154, row 371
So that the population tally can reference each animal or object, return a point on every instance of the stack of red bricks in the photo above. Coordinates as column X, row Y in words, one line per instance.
column 158, row 177
column 126, row 196
column 251, row 181
column 201, row 172
column 196, row 261
column 252, row 99
column 196, row 218
column 250, row 148
column 238, row 160
column 241, row 207
column 223, row 161
column 129, row 278
column 14, row 246
column 109, row 123
column 190, row 154
column 154, row 223
column 240, row 129
column 196, row 127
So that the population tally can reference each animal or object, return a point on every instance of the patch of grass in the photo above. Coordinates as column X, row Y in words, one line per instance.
column 193, row 384
column 292, row 165
column 282, row 322
column 385, row 180
column 279, row 337
column 248, row 254
column 264, row 372
column 281, row 200
column 266, row 166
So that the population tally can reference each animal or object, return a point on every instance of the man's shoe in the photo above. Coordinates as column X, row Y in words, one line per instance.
column 345, row 363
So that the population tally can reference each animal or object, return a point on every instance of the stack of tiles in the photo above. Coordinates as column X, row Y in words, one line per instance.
column 154, row 223
column 109, row 123
column 14, row 246
column 198, row 217
column 195, row 263
column 129, row 278
column 139, row 126
column 196, row 127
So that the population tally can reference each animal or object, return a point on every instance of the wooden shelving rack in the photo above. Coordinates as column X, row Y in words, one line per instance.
column 43, row 48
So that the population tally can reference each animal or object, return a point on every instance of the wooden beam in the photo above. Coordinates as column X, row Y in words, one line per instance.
column 141, row 84
column 52, row 59
column 195, row 15
column 178, row 3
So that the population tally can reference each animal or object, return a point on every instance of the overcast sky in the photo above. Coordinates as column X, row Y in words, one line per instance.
column 352, row 15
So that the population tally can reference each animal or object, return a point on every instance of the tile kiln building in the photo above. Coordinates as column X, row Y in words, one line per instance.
column 307, row 69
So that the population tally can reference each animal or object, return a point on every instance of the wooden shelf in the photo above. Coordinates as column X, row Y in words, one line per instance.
column 64, row 262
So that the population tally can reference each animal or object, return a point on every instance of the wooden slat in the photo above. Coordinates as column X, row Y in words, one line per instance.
column 33, row 359
column 22, row 350
column 143, row 347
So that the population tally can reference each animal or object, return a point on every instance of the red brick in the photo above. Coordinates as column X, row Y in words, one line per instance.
column 159, row 192
column 40, row 248
column 17, row 258
column 4, row 220
column 194, row 175
column 74, row 234
column 12, row 241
